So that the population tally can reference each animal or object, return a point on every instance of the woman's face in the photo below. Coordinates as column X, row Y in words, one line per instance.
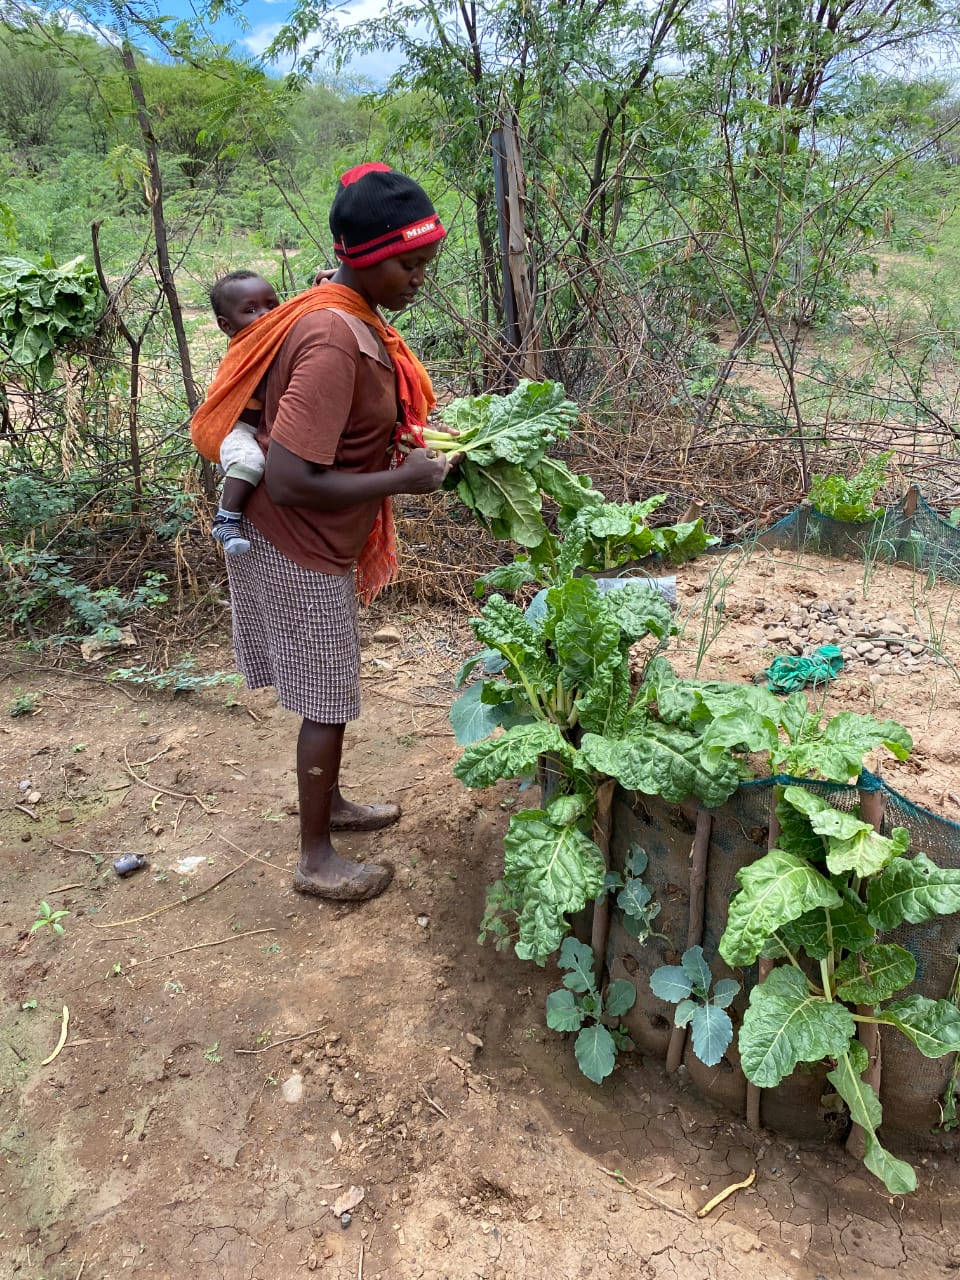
column 394, row 283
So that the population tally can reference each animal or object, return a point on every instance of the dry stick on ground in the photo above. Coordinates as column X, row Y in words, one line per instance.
column 304, row 1035
column 698, row 884
column 252, row 856
column 171, row 906
column 432, row 1102
column 165, row 791
column 642, row 1191
column 198, row 946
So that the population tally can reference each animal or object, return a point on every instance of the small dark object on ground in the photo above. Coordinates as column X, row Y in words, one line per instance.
column 129, row 863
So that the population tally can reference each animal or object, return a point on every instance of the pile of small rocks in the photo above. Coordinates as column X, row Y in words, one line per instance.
column 865, row 637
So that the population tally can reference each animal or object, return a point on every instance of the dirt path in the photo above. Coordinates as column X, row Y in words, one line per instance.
column 212, row 1102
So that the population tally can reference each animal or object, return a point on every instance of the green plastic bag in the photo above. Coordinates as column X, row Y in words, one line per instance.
column 785, row 674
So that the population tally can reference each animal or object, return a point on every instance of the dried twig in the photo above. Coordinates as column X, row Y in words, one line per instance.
column 433, row 1103
column 171, row 906
column 64, row 1025
column 165, row 791
column 304, row 1035
column 642, row 1191
column 198, row 946
column 62, row 888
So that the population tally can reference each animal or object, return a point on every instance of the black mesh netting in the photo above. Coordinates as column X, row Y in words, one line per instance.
column 908, row 532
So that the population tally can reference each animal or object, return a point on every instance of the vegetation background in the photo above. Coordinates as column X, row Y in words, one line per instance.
column 734, row 241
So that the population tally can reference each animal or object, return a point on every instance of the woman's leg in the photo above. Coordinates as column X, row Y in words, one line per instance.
column 321, row 869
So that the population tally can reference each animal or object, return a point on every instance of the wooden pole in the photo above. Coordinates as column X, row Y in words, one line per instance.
column 600, row 931
column 763, row 967
column 698, row 891
column 868, row 1033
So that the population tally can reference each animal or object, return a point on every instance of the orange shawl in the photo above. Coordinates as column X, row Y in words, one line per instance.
column 243, row 368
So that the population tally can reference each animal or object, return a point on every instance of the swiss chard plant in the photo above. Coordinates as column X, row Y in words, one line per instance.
column 822, row 901
column 558, row 690
column 852, row 500
column 580, row 1001
column 597, row 537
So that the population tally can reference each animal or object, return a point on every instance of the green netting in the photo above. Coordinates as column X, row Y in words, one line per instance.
column 910, row 1084
column 908, row 532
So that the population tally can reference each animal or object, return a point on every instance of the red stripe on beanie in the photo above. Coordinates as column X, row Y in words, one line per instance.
column 360, row 170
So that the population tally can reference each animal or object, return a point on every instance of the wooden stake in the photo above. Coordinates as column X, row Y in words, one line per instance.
column 868, row 1033
column 763, row 968
column 698, row 889
column 600, row 931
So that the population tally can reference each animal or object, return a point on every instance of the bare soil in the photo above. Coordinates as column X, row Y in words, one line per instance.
column 203, row 995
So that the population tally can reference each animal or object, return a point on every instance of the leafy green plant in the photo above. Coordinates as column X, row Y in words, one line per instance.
column 852, row 500
column 579, row 1001
column 563, row 692
column 213, row 1054
column 820, row 898
column 634, row 898
column 687, row 985
column 181, row 677
column 48, row 918
column 25, row 704
column 43, row 309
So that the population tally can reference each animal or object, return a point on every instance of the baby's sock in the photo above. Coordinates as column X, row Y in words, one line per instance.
column 226, row 530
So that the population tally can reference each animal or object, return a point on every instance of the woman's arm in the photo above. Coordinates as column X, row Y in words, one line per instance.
column 292, row 481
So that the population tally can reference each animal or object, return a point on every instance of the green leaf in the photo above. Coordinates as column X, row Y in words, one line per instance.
column 471, row 718
column 849, row 930
column 675, row 698
column 596, row 1052
column 659, row 760
column 634, row 898
column 578, row 958
column 785, row 1023
column 671, row 983
column 518, row 427
column 602, row 707
column 551, row 871
column 565, row 810
column 508, row 577
column 621, row 996
column 712, row 1033
column 586, row 639
column 932, row 1025
column 874, row 975
column 852, row 845
column 696, row 969
column 913, row 889
column 570, row 492
column 503, row 628
column 505, row 497
column 865, row 1110
column 724, row 992
column 563, row 1012
column 513, row 754
column 684, row 1012
column 837, row 752
column 775, row 889
column 638, row 611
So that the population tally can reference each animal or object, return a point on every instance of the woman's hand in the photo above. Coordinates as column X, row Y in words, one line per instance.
column 424, row 471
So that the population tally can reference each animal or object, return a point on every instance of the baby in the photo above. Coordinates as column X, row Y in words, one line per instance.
column 237, row 300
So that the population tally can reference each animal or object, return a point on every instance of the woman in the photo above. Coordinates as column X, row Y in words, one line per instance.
column 339, row 384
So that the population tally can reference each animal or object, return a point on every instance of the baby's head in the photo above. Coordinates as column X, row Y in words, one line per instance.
column 240, row 298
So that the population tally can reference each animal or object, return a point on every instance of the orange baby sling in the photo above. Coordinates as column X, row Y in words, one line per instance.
column 243, row 368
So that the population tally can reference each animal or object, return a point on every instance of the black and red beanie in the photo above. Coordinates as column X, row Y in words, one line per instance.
column 379, row 213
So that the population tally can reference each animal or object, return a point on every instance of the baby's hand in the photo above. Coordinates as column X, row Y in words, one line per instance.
column 325, row 274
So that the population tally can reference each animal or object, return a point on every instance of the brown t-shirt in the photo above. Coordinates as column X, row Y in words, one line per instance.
column 331, row 398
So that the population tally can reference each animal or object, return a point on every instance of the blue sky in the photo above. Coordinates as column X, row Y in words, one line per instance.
column 264, row 19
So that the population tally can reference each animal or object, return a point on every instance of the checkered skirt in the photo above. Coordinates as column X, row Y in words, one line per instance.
column 295, row 629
